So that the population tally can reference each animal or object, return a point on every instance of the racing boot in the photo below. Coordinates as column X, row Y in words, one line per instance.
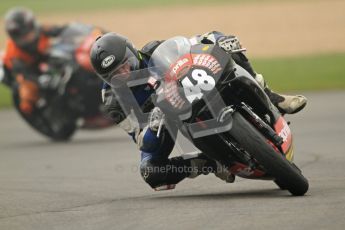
column 204, row 165
column 286, row 104
column 224, row 174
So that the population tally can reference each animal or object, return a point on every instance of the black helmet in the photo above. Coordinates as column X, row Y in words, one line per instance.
column 110, row 52
column 21, row 26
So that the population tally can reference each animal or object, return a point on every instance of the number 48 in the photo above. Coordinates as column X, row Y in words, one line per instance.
column 204, row 82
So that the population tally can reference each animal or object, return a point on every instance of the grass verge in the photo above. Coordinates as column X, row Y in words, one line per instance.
column 309, row 73
column 46, row 6
column 321, row 72
column 5, row 97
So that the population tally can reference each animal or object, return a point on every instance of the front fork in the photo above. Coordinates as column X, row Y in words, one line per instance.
column 254, row 119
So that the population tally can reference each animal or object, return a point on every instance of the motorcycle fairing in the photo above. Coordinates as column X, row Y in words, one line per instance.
column 283, row 130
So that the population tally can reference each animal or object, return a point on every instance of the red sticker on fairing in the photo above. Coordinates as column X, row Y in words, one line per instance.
column 203, row 65
column 180, row 67
column 176, row 71
column 283, row 130
column 245, row 171
column 172, row 94
column 82, row 53
column 207, row 61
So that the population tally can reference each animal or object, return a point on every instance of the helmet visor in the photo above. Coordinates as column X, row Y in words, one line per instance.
column 25, row 36
column 122, row 71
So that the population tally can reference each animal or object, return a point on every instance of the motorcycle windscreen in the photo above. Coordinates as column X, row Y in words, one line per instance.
column 192, row 74
column 179, row 73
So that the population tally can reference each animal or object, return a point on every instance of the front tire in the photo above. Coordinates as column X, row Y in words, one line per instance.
column 280, row 184
column 42, row 125
column 275, row 163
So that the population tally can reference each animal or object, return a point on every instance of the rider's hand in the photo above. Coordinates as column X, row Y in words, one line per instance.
column 112, row 107
column 229, row 43
column 47, row 81
column 156, row 119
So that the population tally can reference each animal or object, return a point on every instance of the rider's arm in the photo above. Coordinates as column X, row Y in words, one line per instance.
column 20, row 67
column 113, row 109
column 243, row 61
column 53, row 31
column 17, row 62
column 147, row 50
column 228, row 43
column 111, row 105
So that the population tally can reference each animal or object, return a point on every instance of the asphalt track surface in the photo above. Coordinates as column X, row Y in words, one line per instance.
column 93, row 182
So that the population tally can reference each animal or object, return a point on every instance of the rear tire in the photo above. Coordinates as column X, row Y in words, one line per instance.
column 276, row 165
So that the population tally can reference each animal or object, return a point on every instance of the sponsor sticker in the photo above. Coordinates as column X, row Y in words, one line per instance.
column 207, row 61
column 283, row 130
column 108, row 61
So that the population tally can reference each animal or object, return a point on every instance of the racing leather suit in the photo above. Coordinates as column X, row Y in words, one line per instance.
column 155, row 151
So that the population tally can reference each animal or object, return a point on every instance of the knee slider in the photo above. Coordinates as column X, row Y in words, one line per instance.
column 153, row 174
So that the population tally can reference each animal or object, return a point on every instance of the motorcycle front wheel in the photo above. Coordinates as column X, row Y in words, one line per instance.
column 250, row 139
column 42, row 125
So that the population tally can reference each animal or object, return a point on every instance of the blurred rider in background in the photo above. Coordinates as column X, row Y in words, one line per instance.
column 155, row 150
column 26, row 49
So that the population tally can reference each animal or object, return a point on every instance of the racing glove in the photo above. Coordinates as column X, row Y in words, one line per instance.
column 229, row 43
column 112, row 106
column 156, row 119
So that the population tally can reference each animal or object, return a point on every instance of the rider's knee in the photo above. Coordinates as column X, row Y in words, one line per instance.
column 148, row 141
column 153, row 173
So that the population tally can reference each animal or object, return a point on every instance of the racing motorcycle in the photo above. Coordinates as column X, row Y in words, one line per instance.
column 221, row 109
column 70, row 96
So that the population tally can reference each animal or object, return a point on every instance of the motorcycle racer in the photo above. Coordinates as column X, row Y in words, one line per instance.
column 155, row 149
column 26, row 49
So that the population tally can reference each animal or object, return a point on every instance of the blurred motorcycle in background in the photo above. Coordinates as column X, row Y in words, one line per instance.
column 70, row 95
